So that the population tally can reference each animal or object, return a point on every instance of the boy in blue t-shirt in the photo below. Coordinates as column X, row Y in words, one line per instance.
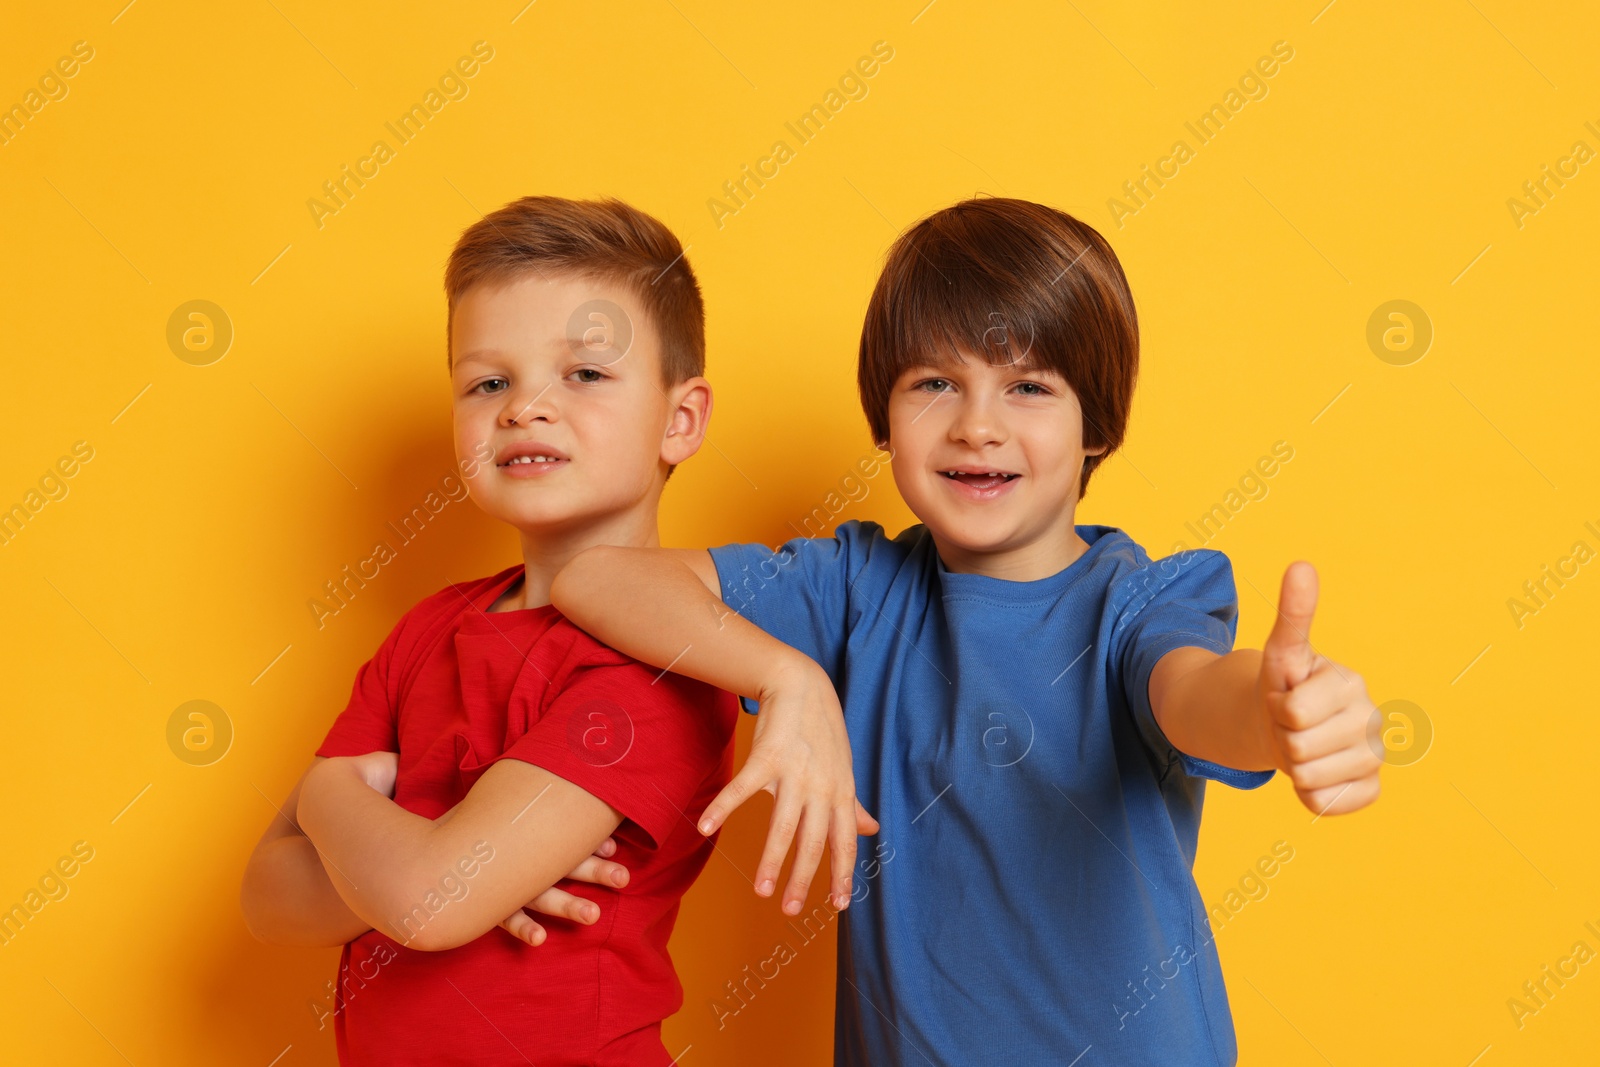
column 1033, row 707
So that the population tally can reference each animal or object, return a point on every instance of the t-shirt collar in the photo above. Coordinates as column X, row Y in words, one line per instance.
column 479, row 619
column 962, row 584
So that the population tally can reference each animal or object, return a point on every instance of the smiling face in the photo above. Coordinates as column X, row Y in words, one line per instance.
column 562, row 422
column 989, row 459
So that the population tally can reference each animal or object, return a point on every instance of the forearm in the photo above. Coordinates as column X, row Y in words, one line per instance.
column 650, row 606
column 660, row 606
column 379, row 858
column 429, row 884
column 1211, row 712
column 288, row 898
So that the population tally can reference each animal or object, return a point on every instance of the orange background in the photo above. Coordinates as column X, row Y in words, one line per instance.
column 1377, row 166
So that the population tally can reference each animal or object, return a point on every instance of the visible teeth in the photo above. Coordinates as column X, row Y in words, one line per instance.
column 531, row 459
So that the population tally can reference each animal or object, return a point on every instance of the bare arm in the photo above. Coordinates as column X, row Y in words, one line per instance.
column 1206, row 705
column 286, row 896
column 435, row 885
column 664, row 607
column 1286, row 707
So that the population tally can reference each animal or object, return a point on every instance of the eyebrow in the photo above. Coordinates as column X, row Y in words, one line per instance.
column 490, row 355
column 951, row 363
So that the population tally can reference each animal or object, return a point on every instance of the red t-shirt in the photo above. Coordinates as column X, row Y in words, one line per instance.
column 453, row 689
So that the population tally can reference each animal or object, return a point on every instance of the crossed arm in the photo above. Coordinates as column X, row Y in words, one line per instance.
column 341, row 858
column 286, row 897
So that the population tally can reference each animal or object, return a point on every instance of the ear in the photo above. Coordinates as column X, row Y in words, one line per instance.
column 691, row 415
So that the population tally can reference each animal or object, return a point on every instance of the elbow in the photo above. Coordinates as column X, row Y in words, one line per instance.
column 425, row 920
column 437, row 922
column 260, row 920
column 581, row 571
column 439, row 942
column 428, row 932
column 253, row 907
column 263, row 910
column 252, row 923
column 269, row 933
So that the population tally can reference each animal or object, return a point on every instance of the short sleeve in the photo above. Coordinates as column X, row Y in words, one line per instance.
column 1186, row 599
column 799, row 592
column 644, row 744
column 368, row 722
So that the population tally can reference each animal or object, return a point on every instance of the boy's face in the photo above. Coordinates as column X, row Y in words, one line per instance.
column 989, row 459
column 561, row 420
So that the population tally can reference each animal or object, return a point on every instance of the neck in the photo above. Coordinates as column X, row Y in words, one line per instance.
column 1051, row 553
column 546, row 551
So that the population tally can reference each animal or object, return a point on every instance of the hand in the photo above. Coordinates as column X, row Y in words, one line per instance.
column 801, row 755
column 1320, row 723
column 560, row 903
column 377, row 769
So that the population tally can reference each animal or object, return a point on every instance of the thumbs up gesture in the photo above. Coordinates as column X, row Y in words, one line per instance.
column 1320, row 723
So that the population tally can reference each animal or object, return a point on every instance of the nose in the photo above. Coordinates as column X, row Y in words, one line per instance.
column 529, row 404
column 977, row 420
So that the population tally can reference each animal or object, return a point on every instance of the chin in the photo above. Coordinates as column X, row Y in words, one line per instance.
column 975, row 537
column 546, row 514
column 979, row 545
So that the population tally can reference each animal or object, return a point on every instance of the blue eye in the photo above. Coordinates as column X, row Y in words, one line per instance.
column 933, row 385
column 1031, row 389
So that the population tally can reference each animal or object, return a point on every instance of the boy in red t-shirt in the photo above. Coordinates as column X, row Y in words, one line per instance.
column 520, row 752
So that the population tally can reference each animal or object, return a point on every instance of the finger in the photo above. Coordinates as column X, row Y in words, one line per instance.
column 1345, row 728
column 809, row 846
column 608, row 847
column 1328, row 690
column 842, row 861
column 780, row 831
column 1336, row 768
column 865, row 823
column 600, row 872
column 752, row 778
column 1286, row 656
column 524, row 929
column 564, row 905
column 1343, row 798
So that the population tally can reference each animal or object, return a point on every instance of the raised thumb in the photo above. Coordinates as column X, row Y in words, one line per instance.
column 1287, row 657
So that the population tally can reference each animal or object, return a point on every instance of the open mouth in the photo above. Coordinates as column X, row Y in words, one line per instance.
column 981, row 480
column 531, row 459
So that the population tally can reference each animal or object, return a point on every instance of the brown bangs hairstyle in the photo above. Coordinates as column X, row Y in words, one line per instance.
column 1015, row 283
column 603, row 239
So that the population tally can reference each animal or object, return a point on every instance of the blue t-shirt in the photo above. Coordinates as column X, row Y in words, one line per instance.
column 1031, row 892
